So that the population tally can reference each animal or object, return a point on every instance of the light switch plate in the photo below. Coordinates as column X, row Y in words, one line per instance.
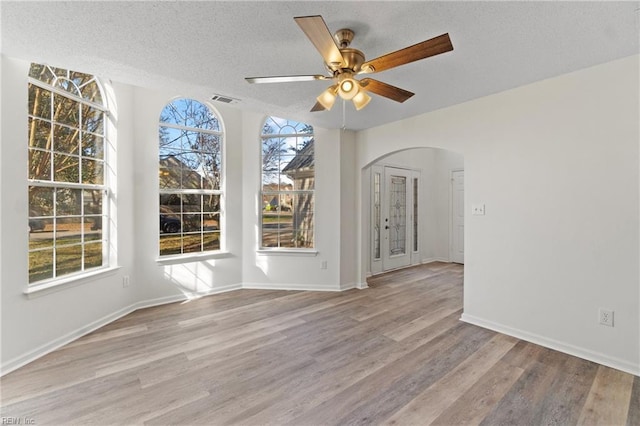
column 477, row 209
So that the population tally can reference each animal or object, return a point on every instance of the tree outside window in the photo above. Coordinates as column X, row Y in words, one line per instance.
column 190, row 178
column 67, row 188
column 288, row 183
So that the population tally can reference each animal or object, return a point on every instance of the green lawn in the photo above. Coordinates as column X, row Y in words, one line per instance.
column 188, row 243
column 277, row 218
column 68, row 257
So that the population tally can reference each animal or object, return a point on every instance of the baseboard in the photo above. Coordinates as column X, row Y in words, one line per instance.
column 583, row 353
column 41, row 351
column 292, row 287
column 422, row 262
column 434, row 259
column 370, row 274
column 350, row 286
column 347, row 286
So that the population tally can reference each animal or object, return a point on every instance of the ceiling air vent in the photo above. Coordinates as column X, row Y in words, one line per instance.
column 225, row 99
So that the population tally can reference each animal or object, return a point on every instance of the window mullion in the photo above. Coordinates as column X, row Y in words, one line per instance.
column 191, row 129
column 55, row 236
column 64, row 93
column 70, row 185
column 286, row 135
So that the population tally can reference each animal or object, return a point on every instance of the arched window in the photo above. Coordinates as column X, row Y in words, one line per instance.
column 190, row 169
column 288, row 182
column 68, row 191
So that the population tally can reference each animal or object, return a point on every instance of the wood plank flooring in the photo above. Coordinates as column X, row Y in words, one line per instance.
column 394, row 354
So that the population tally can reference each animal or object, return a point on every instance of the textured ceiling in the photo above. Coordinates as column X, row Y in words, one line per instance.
column 203, row 48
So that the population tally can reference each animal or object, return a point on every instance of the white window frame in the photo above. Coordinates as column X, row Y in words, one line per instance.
column 221, row 251
column 105, row 187
column 284, row 250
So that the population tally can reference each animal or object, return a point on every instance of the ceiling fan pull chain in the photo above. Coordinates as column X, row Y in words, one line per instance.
column 344, row 115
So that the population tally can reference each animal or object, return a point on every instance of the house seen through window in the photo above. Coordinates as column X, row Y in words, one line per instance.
column 190, row 178
column 67, row 187
column 288, row 182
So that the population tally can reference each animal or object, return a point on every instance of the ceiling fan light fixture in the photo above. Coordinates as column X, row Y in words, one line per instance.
column 361, row 100
column 347, row 86
column 328, row 97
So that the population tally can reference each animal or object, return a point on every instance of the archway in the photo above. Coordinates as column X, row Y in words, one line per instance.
column 425, row 201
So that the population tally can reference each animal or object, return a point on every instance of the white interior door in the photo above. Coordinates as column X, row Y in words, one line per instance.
column 396, row 218
column 457, row 219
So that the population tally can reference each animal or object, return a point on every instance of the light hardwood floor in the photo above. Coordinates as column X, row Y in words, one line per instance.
column 392, row 354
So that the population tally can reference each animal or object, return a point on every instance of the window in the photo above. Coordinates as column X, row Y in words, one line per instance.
column 190, row 169
column 67, row 163
column 288, row 181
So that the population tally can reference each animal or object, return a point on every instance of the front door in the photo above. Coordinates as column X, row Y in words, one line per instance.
column 396, row 224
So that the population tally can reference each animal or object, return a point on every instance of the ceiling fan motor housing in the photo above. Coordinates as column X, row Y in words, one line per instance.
column 344, row 37
column 353, row 60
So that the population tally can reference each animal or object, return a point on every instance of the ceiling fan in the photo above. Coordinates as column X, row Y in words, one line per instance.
column 344, row 63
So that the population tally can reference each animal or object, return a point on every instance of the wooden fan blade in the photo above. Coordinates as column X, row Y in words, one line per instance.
column 285, row 78
column 317, row 107
column 383, row 89
column 425, row 49
column 317, row 31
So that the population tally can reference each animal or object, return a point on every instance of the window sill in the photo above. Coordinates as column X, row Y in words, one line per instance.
column 196, row 257
column 67, row 282
column 287, row 252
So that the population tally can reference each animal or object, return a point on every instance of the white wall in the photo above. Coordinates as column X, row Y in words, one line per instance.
column 293, row 270
column 445, row 162
column 348, row 207
column 556, row 163
column 32, row 325
column 166, row 280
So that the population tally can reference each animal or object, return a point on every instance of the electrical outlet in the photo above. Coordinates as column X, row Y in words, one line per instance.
column 323, row 265
column 606, row 317
column 477, row 209
column 125, row 281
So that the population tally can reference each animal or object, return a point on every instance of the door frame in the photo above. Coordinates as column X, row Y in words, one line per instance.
column 451, row 212
column 377, row 264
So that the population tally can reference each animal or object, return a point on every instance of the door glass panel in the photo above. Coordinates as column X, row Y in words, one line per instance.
column 376, row 216
column 397, row 215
